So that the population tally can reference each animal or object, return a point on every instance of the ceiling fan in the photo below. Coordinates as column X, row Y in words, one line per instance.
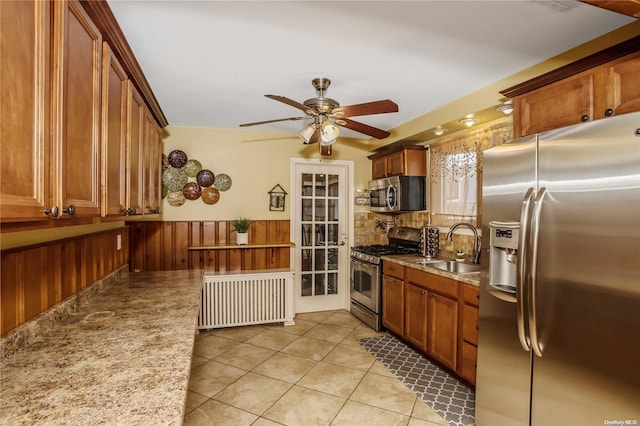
column 327, row 115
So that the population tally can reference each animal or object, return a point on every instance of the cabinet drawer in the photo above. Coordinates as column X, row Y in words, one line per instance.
column 442, row 285
column 393, row 269
column 470, row 324
column 471, row 294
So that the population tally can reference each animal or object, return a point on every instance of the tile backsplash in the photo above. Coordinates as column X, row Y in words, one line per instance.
column 369, row 230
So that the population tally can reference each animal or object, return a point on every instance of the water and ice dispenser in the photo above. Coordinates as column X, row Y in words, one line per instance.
column 503, row 256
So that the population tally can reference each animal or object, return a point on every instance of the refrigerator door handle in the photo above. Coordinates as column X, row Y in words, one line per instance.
column 535, row 230
column 521, row 268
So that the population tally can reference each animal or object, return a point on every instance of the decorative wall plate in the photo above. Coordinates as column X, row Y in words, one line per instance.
column 174, row 179
column 222, row 182
column 176, row 199
column 192, row 167
column 205, row 178
column 210, row 195
column 177, row 158
column 191, row 191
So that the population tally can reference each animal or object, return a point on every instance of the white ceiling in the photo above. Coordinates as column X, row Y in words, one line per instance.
column 209, row 63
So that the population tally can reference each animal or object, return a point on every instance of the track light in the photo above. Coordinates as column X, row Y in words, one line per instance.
column 329, row 133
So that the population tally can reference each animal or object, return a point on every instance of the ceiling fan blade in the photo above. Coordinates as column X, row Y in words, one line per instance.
column 291, row 102
column 362, row 128
column 369, row 108
column 273, row 121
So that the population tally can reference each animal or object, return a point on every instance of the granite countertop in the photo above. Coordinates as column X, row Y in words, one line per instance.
column 411, row 259
column 123, row 358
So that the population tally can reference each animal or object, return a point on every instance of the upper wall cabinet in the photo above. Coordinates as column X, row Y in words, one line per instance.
column 135, row 144
column 592, row 92
column 74, row 129
column 410, row 160
column 77, row 47
column 114, row 124
column 24, row 109
column 152, row 165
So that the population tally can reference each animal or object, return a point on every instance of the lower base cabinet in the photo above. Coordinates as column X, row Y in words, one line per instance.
column 436, row 315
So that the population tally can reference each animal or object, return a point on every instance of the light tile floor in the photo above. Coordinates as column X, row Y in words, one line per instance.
column 312, row 373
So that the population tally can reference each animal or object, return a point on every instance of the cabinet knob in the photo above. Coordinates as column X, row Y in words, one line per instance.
column 584, row 118
column 608, row 112
column 70, row 209
column 53, row 211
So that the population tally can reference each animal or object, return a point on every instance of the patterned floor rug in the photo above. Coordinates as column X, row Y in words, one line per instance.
column 442, row 392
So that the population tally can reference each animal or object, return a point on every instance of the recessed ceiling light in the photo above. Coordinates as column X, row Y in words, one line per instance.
column 506, row 107
column 468, row 121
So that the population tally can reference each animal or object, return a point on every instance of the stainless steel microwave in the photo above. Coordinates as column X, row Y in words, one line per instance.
column 398, row 194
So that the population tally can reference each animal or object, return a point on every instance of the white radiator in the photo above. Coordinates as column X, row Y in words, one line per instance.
column 245, row 298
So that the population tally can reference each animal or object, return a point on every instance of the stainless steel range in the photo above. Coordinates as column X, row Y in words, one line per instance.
column 366, row 272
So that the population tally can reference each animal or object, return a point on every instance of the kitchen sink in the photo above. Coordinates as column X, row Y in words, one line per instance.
column 457, row 267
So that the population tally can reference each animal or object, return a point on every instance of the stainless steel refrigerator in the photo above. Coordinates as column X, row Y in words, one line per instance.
column 559, row 331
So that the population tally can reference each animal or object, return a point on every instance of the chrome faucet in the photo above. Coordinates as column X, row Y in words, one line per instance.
column 477, row 244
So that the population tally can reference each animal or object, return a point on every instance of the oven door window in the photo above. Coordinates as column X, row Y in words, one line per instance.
column 365, row 284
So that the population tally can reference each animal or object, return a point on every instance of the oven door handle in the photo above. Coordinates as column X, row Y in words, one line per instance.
column 364, row 263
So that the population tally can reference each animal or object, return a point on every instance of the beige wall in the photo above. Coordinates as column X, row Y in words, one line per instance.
column 256, row 161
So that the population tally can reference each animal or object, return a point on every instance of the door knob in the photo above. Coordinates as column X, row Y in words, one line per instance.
column 70, row 209
column 53, row 211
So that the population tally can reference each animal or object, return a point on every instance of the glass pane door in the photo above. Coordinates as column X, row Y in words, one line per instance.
column 320, row 233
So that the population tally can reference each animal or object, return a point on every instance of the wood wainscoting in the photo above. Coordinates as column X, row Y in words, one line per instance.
column 34, row 278
column 165, row 246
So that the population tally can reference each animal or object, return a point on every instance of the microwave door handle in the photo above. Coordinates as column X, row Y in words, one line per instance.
column 391, row 197
column 521, row 275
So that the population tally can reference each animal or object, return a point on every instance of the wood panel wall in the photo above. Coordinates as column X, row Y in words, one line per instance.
column 163, row 246
column 35, row 278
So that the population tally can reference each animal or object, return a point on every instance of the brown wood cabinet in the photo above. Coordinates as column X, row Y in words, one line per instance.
column 25, row 187
column 408, row 160
column 393, row 297
column 77, row 53
column 152, row 164
column 440, row 316
column 416, row 316
column 114, row 122
column 599, row 92
column 66, row 125
column 437, row 315
column 469, row 303
column 136, row 115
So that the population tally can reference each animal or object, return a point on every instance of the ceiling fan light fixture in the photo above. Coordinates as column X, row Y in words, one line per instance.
column 306, row 133
column 468, row 121
column 506, row 107
column 329, row 133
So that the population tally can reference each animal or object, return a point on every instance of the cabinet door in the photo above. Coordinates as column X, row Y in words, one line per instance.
column 114, row 121
column 621, row 87
column 416, row 316
column 135, row 142
column 469, row 356
column 470, row 324
column 152, row 164
column 76, row 91
column 393, row 304
column 442, row 331
column 566, row 102
column 24, row 131
column 379, row 168
column 395, row 164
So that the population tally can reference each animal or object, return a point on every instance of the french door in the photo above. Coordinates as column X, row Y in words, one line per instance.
column 321, row 223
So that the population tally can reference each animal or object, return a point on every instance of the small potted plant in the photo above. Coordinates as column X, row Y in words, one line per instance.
column 241, row 225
